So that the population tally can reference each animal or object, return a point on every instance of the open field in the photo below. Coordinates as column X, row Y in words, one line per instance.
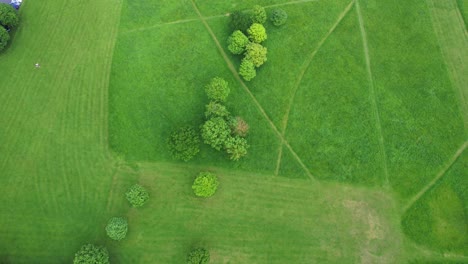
column 358, row 133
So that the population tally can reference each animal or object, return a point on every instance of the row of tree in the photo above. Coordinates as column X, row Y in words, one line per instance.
column 9, row 19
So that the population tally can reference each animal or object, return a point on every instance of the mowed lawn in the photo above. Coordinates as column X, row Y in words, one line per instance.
column 348, row 84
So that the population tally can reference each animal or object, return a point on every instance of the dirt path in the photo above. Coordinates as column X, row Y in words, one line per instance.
column 375, row 108
column 247, row 90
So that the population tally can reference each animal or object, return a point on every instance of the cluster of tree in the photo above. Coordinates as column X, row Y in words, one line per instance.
column 8, row 20
column 248, row 35
column 221, row 130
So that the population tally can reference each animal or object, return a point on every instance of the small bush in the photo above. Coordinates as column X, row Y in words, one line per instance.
column 214, row 109
column 205, row 184
column 215, row 132
column 184, row 143
column 8, row 16
column 117, row 228
column 258, row 14
column 137, row 195
column 198, row 256
column 240, row 20
column 4, row 38
column 278, row 17
column 237, row 42
column 217, row 89
column 247, row 69
column 91, row 254
column 256, row 53
column 239, row 127
column 257, row 33
column 236, row 147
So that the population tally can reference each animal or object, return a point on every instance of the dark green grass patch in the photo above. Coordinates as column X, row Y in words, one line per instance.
column 420, row 116
column 463, row 7
column 146, row 13
column 439, row 219
column 331, row 123
column 158, row 86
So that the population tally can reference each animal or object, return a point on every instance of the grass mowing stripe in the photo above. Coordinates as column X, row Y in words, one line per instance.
column 236, row 75
column 375, row 108
column 436, row 178
column 304, row 68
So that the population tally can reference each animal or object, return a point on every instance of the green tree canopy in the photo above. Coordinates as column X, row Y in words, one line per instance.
column 217, row 89
column 205, row 184
column 236, row 147
column 237, row 42
column 117, row 228
column 240, row 20
column 198, row 256
column 4, row 38
column 8, row 16
column 256, row 53
column 278, row 17
column 247, row 69
column 257, row 33
column 215, row 131
column 137, row 195
column 215, row 109
column 184, row 143
column 258, row 14
column 91, row 254
column 239, row 127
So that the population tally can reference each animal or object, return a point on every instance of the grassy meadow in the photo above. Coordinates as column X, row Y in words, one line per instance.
column 357, row 133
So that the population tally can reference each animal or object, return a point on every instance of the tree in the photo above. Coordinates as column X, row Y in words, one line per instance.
column 8, row 16
column 257, row 33
column 215, row 131
column 91, row 254
column 236, row 147
column 205, row 184
column 258, row 14
column 278, row 17
column 256, row 53
column 4, row 38
column 217, row 89
column 239, row 127
column 237, row 42
column 198, row 256
column 117, row 228
column 247, row 69
column 214, row 109
column 137, row 195
column 184, row 143
column 240, row 20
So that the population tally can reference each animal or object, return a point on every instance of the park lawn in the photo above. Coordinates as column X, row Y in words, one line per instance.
column 439, row 219
column 260, row 219
column 421, row 120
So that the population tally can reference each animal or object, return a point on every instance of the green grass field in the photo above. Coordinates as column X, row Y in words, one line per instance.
column 358, row 133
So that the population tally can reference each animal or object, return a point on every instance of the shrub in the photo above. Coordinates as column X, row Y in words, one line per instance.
column 239, row 127
column 4, row 38
column 257, row 33
column 236, row 147
column 258, row 14
column 137, row 195
column 205, row 184
column 237, row 42
column 278, row 17
column 256, row 53
column 184, row 143
column 240, row 20
column 8, row 16
column 198, row 256
column 91, row 254
column 214, row 109
column 247, row 69
column 215, row 132
column 117, row 228
column 217, row 89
